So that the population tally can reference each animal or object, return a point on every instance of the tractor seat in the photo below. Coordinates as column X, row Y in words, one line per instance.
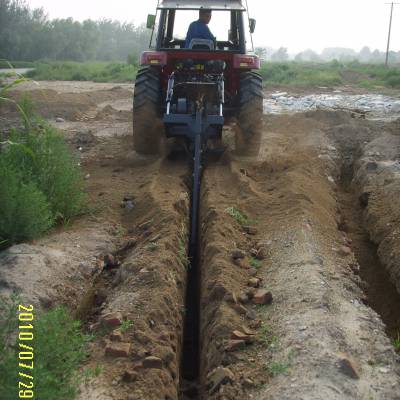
column 201, row 44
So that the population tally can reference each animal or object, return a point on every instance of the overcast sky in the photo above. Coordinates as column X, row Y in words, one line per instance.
column 295, row 24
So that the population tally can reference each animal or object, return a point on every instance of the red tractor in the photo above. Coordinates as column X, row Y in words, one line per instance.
column 187, row 90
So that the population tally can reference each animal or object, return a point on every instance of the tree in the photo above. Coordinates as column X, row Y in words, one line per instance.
column 280, row 55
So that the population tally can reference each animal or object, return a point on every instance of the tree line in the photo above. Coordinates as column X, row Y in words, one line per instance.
column 365, row 55
column 28, row 35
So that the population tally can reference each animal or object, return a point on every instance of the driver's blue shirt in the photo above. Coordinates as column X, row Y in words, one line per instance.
column 198, row 30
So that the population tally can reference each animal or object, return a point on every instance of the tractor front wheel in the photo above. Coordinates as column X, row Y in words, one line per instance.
column 148, row 128
column 249, row 129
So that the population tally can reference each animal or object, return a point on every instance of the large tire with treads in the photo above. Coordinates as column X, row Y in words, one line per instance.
column 148, row 128
column 249, row 129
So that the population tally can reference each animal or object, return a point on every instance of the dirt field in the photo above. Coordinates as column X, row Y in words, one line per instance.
column 299, row 296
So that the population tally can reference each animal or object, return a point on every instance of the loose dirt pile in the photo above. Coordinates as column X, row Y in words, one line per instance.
column 284, row 300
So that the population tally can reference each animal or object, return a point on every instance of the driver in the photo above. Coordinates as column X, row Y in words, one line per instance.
column 199, row 29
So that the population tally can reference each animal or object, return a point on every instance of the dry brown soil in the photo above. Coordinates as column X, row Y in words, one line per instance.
column 322, row 236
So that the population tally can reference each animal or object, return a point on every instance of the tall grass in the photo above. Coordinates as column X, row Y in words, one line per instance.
column 330, row 74
column 88, row 71
column 40, row 180
column 59, row 346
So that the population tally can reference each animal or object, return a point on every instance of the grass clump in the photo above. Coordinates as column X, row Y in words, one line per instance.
column 255, row 263
column 41, row 182
column 396, row 343
column 84, row 71
column 59, row 346
column 238, row 216
column 275, row 368
column 125, row 325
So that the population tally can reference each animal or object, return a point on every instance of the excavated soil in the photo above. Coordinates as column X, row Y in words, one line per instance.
column 298, row 257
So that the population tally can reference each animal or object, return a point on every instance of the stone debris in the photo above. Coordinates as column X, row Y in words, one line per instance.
column 364, row 105
column 238, row 335
column 345, row 251
column 112, row 320
column 254, row 282
column 251, row 230
column 234, row 344
column 116, row 349
column 116, row 336
column 129, row 376
column 238, row 254
column 348, row 368
column 262, row 297
column 218, row 377
column 152, row 362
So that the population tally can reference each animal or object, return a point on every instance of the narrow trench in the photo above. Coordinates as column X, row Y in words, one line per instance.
column 190, row 354
column 381, row 293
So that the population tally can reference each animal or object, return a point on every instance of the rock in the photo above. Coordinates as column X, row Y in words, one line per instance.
column 345, row 251
column 238, row 335
column 218, row 377
column 277, row 95
column 218, row 292
column 110, row 261
column 240, row 309
column 262, row 296
column 251, row 230
column 254, row 282
column 118, row 349
column 234, row 345
column 59, row 119
column 348, row 368
column 256, row 324
column 116, row 336
column 243, row 298
column 112, row 320
column 251, row 315
column 238, row 254
column 129, row 376
column 262, row 253
column 152, row 362
column 248, row 383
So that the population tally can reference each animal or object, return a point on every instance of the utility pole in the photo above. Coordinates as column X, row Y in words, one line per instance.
column 390, row 30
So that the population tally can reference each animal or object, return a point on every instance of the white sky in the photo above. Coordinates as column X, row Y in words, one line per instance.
column 295, row 24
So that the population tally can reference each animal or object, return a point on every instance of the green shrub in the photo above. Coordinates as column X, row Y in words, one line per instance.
column 59, row 345
column 24, row 211
column 41, row 182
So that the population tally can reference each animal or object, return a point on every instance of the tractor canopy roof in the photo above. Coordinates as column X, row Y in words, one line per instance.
column 234, row 5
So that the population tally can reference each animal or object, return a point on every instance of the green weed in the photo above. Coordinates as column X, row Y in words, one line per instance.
column 125, row 325
column 255, row 263
column 396, row 343
column 280, row 367
column 59, row 345
column 238, row 215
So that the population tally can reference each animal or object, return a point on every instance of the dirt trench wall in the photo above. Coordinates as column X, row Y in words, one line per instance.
column 377, row 178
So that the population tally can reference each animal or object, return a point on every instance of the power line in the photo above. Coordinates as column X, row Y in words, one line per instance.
column 390, row 30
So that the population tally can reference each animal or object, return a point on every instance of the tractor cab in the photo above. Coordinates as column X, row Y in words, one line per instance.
column 229, row 25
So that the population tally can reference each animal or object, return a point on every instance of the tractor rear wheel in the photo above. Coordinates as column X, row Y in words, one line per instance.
column 248, row 134
column 147, row 125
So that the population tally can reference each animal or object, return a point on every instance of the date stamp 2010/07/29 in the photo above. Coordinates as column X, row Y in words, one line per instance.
column 25, row 352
